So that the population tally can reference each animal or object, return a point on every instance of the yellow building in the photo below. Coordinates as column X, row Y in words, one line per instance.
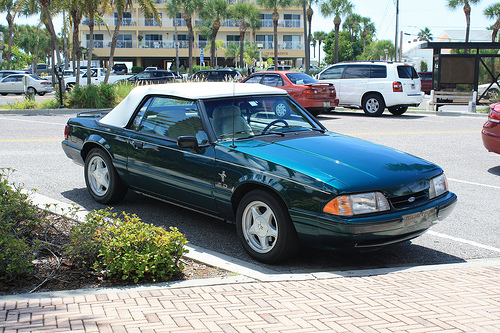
column 144, row 42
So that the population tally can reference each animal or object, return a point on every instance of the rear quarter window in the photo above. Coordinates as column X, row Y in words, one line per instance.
column 378, row 72
column 407, row 72
column 332, row 73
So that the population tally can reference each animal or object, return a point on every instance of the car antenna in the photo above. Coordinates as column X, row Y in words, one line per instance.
column 232, row 112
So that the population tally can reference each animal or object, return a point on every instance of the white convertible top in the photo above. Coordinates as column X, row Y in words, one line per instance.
column 121, row 114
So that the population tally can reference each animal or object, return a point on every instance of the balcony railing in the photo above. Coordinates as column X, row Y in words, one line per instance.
column 150, row 44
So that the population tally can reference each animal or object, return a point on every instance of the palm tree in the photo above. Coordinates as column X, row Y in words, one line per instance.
column 319, row 36
column 243, row 12
column 352, row 23
column 368, row 28
column 309, row 15
column 214, row 11
column 188, row 7
column 454, row 4
column 90, row 9
column 493, row 12
column 424, row 35
column 313, row 44
column 75, row 9
column 274, row 5
column 122, row 6
column 172, row 9
column 9, row 6
column 338, row 8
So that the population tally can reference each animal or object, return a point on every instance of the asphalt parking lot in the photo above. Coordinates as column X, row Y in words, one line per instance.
column 31, row 145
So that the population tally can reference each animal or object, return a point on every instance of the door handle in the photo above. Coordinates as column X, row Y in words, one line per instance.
column 137, row 144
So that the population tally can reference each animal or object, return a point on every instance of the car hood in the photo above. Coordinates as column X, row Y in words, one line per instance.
column 332, row 158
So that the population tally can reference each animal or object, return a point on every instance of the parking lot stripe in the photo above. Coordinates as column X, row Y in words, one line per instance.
column 406, row 133
column 472, row 183
column 461, row 240
column 30, row 140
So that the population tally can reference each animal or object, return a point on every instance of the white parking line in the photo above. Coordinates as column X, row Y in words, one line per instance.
column 461, row 240
column 472, row 183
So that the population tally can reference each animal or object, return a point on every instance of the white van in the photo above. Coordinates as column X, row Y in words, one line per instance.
column 375, row 85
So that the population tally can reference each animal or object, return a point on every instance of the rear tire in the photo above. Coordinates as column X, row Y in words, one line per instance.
column 398, row 110
column 373, row 105
column 265, row 228
column 102, row 180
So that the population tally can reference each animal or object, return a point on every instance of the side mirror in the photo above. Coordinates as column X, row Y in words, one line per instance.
column 188, row 142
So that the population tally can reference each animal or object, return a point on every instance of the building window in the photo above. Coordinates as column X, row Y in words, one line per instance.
column 126, row 20
column 202, row 42
column 291, row 21
column 183, row 40
column 178, row 21
column 265, row 40
column 153, row 41
column 266, row 21
column 292, row 42
column 151, row 22
column 124, row 41
column 98, row 40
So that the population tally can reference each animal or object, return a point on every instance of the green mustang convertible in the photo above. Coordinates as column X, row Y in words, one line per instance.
column 250, row 154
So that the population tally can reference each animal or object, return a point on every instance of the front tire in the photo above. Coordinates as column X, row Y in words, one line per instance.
column 373, row 105
column 102, row 180
column 265, row 228
column 31, row 91
column 398, row 110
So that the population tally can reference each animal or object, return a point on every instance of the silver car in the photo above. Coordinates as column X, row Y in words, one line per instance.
column 13, row 84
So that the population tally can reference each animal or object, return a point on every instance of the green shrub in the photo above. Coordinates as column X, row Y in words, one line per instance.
column 137, row 69
column 128, row 248
column 18, row 221
column 101, row 96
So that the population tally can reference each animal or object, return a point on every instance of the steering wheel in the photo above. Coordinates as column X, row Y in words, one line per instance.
column 272, row 123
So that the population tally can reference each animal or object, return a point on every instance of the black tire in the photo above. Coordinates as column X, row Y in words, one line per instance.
column 315, row 111
column 398, row 110
column 31, row 91
column 373, row 105
column 41, row 93
column 102, row 180
column 265, row 228
column 3, row 94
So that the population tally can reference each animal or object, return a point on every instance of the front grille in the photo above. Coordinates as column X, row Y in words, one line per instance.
column 410, row 200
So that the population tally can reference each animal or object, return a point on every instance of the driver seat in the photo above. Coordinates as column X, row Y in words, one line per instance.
column 228, row 119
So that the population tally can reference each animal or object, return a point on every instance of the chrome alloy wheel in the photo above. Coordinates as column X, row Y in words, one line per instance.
column 372, row 105
column 259, row 227
column 98, row 176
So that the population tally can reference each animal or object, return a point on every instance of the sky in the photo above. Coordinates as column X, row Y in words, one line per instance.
column 414, row 15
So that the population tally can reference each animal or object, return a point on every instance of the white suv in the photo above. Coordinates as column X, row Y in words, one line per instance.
column 374, row 86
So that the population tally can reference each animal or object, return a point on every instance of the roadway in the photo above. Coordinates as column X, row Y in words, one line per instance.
column 31, row 145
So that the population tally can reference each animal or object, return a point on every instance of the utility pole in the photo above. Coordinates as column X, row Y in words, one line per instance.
column 397, row 28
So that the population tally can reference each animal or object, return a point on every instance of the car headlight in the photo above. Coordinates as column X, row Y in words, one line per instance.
column 439, row 185
column 354, row 204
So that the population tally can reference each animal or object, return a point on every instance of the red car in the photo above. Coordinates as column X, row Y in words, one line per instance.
column 491, row 129
column 314, row 96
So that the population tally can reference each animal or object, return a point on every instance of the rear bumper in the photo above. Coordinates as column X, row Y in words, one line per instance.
column 403, row 99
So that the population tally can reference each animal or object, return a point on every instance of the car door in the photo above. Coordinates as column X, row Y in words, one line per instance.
column 354, row 83
column 13, row 84
column 333, row 75
column 157, row 165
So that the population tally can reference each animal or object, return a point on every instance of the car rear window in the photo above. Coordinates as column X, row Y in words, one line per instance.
column 407, row 72
column 300, row 78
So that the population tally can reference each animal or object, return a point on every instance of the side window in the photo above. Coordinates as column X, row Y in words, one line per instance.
column 171, row 118
column 378, row 72
column 254, row 79
column 407, row 72
column 272, row 81
column 332, row 73
column 356, row 72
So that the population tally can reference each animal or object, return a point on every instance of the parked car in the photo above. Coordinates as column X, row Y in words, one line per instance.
column 314, row 96
column 151, row 68
column 216, row 75
column 374, row 86
column 491, row 129
column 280, row 68
column 250, row 154
column 151, row 76
column 425, row 81
column 490, row 91
column 40, row 69
column 13, row 84
column 10, row 72
column 120, row 68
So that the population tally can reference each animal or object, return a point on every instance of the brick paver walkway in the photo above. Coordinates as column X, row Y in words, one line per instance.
column 452, row 300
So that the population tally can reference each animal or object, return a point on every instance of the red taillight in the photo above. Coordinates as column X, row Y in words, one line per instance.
column 331, row 92
column 66, row 132
column 397, row 86
column 309, row 92
column 494, row 115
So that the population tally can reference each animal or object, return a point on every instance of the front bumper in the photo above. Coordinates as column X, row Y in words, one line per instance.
column 382, row 229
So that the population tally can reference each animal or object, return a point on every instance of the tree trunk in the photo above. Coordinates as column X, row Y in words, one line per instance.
column 8, row 54
column 189, row 25
column 275, row 16
column 467, row 20
column 113, row 43
column 337, row 22
column 243, row 30
column 90, row 48
column 213, row 50
column 77, row 18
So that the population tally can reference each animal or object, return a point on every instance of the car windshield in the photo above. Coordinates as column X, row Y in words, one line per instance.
column 300, row 78
column 255, row 116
